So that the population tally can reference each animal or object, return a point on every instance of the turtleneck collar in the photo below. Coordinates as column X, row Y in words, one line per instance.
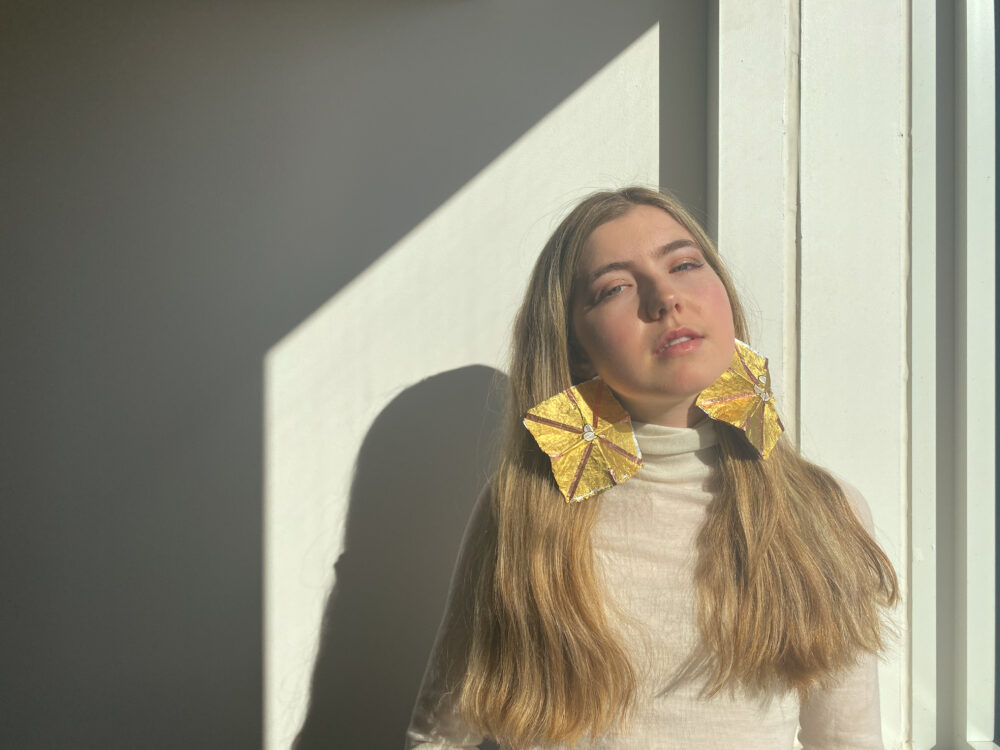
column 677, row 454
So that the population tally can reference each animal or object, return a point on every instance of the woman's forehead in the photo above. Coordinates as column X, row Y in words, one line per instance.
column 644, row 231
column 637, row 221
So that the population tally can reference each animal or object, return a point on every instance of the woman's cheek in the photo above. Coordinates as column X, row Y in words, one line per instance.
column 720, row 305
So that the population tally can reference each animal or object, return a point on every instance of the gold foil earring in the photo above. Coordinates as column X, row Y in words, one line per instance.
column 742, row 397
column 589, row 438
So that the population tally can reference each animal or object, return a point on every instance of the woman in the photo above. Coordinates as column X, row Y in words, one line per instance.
column 724, row 594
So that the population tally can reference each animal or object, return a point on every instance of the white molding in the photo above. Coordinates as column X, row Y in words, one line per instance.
column 854, row 213
column 921, row 596
column 866, row 180
column 976, row 241
column 755, row 108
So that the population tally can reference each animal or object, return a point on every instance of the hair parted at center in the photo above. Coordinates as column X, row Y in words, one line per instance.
column 790, row 587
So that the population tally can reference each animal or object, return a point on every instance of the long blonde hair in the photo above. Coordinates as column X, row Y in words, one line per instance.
column 790, row 587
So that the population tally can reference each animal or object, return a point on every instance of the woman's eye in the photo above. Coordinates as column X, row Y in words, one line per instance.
column 610, row 292
column 686, row 266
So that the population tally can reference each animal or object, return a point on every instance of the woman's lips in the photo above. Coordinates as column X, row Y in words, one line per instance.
column 680, row 348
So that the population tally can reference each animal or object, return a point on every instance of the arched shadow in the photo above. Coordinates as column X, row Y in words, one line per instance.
column 420, row 468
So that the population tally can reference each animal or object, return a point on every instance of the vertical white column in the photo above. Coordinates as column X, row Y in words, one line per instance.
column 976, row 363
column 854, row 218
column 923, row 633
column 756, row 182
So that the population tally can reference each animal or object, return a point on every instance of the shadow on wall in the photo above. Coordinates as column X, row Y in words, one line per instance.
column 420, row 469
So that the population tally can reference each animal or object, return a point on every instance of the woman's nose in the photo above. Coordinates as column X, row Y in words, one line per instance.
column 661, row 299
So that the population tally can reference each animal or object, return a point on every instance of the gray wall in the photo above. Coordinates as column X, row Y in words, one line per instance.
column 173, row 178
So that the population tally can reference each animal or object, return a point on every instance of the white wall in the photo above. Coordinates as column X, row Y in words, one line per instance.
column 442, row 298
column 813, row 180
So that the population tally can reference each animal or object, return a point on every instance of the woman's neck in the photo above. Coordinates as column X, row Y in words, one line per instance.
column 680, row 414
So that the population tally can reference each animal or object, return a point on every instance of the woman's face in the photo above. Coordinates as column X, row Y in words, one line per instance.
column 652, row 317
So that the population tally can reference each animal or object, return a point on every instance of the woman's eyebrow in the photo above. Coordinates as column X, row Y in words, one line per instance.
column 659, row 253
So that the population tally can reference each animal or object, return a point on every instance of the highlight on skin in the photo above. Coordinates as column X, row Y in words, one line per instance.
column 790, row 586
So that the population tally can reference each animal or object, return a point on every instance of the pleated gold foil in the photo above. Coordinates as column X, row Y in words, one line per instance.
column 742, row 397
column 588, row 436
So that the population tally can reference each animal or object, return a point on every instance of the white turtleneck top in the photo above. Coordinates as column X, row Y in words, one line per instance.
column 644, row 543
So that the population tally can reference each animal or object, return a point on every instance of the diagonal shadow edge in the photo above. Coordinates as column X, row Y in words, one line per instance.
column 331, row 376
